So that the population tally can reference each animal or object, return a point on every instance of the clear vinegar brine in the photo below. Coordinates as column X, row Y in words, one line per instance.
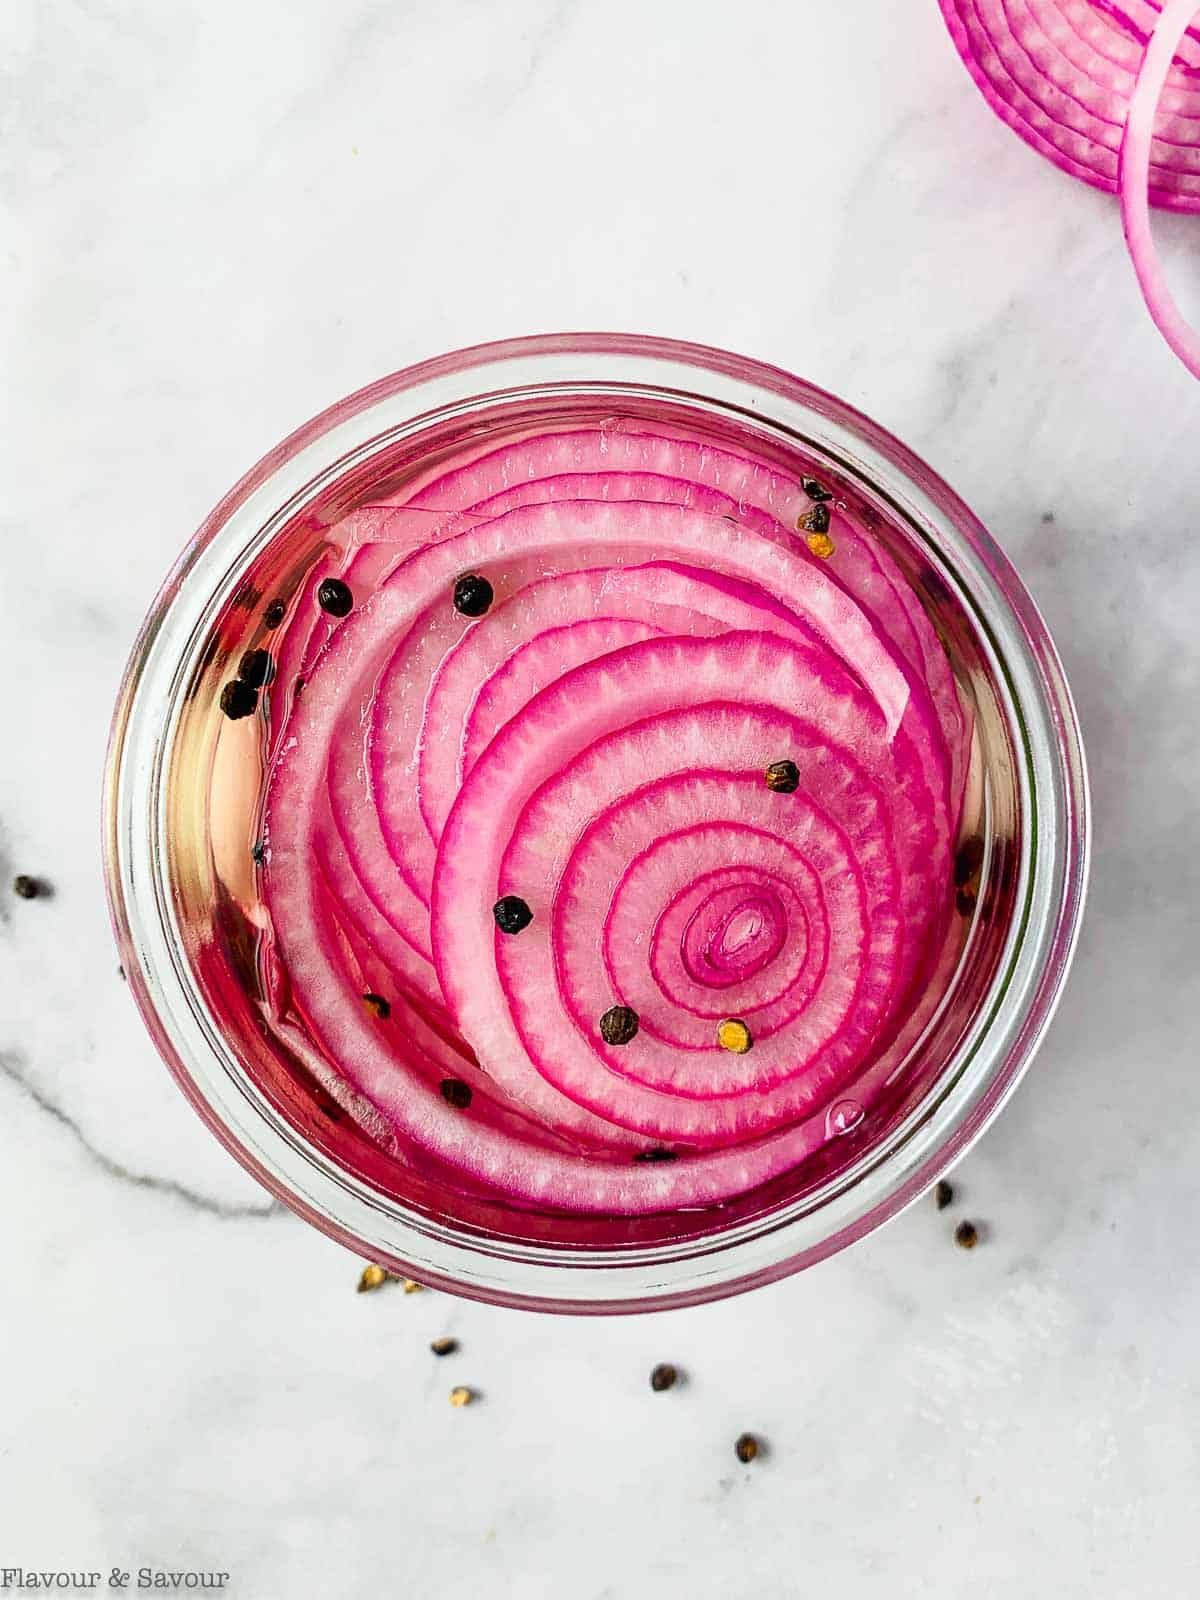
column 597, row 815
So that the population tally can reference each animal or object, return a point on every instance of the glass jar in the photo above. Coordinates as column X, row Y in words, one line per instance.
column 182, row 897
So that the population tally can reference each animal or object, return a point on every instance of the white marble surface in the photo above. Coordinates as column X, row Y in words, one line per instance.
column 220, row 217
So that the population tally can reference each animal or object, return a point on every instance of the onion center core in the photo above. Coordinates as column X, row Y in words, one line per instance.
column 735, row 933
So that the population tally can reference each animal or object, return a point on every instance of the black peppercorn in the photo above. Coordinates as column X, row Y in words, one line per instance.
column 746, row 1448
column 27, row 888
column 815, row 489
column 238, row 700
column 943, row 1194
column 783, row 777
column 655, row 1155
column 664, row 1376
column 444, row 1347
column 816, row 520
column 511, row 914
column 378, row 1005
column 258, row 853
column 334, row 596
column 257, row 669
column 274, row 614
column 618, row 1025
column 473, row 595
column 456, row 1093
column 966, row 1236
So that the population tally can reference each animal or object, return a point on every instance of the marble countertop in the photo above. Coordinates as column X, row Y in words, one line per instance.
column 220, row 217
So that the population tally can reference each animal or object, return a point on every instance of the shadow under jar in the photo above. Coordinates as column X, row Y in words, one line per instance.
column 741, row 698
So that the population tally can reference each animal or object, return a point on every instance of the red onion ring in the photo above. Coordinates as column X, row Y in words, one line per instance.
column 1135, row 161
column 1111, row 94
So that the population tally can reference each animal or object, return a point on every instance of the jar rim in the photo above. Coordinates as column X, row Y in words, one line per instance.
column 974, row 1084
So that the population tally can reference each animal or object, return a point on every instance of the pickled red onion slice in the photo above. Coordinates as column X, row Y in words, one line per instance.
column 596, row 745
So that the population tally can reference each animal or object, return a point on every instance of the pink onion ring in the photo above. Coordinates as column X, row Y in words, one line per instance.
column 1134, row 170
column 1110, row 92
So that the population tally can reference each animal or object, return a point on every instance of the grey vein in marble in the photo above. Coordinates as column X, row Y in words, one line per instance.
column 12, row 1070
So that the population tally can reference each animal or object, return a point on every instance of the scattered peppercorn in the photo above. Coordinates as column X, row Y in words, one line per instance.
column 815, row 489
column 964, row 900
column 783, row 777
column 816, row 520
column 655, row 1155
column 121, row 974
column 618, row 1025
column 943, row 1194
column 444, row 1347
column 968, row 860
column 259, row 853
column 376, row 1003
column 734, row 1035
column 966, row 1235
column 511, row 914
column 274, row 614
column 456, row 1093
column 746, row 1447
column 257, row 669
column 238, row 699
column 411, row 1286
column 334, row 596
column 298, row 688
column 373, row 1277
column 461, row 1395
column 28, row 888
column 663, row 1376
column 473, row 595
column 820, row 545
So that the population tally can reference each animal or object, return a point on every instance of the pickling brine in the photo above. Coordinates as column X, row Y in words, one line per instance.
column 612, row 845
